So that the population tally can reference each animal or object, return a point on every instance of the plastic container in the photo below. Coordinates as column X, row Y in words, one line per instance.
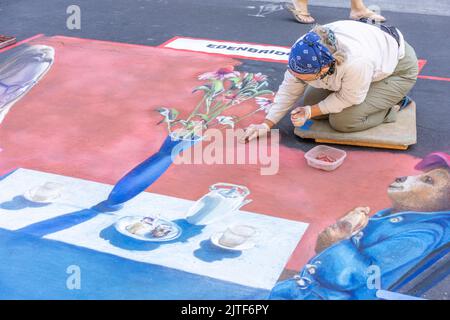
column 322, row 150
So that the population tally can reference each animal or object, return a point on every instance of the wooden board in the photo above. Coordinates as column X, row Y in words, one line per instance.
column 363, row 144
column 395, row 135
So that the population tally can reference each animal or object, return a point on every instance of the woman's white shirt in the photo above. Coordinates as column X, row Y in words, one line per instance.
column 372, row 55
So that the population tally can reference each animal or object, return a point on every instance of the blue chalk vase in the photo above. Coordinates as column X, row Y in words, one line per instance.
column 148, row 171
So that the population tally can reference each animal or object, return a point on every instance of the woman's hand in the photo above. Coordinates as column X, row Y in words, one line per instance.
column 256, row 130
column 300, row 115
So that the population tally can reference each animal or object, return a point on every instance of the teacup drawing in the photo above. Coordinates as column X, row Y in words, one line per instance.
column 44, row 193
column 238, row 237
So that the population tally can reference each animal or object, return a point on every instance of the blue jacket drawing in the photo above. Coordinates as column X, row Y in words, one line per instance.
column 394, row 242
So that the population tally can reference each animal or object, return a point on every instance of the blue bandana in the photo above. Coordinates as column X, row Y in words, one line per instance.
column 308, row 55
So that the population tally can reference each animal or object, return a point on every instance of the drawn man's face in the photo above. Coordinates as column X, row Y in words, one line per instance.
column 348, row 225
column 427, row 192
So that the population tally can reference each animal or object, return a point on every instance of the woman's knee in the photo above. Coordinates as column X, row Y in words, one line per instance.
column 346, row 123
column 314, row 95
column 310, row 100
column 341, row 123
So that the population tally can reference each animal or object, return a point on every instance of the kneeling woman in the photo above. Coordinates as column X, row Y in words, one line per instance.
column 354, row 73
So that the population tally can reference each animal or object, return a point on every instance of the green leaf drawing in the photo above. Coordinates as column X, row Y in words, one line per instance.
column 218, row 97
column 264, row 92
column 204, row 88
column 217, row 86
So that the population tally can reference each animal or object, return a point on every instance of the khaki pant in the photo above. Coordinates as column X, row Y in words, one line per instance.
column 382, row 96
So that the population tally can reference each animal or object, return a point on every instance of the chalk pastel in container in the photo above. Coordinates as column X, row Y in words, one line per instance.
column 325, row 157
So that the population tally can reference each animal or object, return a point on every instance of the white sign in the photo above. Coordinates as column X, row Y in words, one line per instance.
column 234, row 49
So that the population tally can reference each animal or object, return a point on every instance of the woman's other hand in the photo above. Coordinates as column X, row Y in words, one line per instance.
column 256, row 130
column 300, row 115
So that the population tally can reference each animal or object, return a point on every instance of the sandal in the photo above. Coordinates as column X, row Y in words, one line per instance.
column 301, row 16
column 368, row 15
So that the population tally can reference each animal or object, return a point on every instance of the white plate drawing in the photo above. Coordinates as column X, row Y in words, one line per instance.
column 123, row 225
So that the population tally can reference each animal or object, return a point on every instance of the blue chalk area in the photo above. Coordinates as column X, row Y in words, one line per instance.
column 19, row 203
column 34, row 268
column 59, row 223
column 208, row 252
column 307, row 125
